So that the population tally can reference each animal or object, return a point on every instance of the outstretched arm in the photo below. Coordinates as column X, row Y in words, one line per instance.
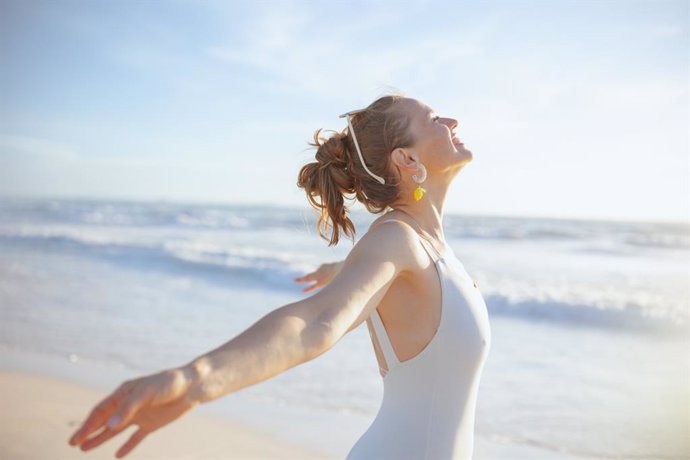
column 282, row 339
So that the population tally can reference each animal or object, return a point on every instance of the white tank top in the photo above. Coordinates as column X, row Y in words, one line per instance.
column 429, row 401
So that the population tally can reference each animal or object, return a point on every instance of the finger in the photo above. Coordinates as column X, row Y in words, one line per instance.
column 119, row 421
column 312, row 287
column 131, row 443
column 304, row 278
column 97, row 417
column 127, row 413
column 99, row 439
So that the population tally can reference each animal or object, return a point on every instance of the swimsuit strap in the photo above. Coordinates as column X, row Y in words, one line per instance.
column 384, row 342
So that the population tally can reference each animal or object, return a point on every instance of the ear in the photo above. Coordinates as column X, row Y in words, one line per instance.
column 405, row 159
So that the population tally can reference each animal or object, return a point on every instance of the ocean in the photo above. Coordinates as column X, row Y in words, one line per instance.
column 590, row 319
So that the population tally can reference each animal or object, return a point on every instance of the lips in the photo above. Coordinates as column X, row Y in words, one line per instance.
column 454, row 139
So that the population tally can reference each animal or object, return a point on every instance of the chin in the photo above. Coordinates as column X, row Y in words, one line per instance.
column 463, row 150
column 464, row 156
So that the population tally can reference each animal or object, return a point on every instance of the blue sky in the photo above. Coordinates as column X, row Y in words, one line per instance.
column 571, row 108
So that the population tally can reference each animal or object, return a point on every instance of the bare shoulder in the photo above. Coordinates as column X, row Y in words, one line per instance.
column 394, row 240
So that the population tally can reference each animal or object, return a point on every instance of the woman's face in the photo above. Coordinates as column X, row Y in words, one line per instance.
column 435, row 143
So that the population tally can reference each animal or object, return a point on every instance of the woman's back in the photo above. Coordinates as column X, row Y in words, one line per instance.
column 431, row 337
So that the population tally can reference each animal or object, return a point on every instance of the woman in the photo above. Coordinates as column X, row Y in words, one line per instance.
column 427, row 319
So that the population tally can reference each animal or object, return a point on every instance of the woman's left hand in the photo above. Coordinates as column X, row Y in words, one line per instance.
column 322, row 275
column 150, row 402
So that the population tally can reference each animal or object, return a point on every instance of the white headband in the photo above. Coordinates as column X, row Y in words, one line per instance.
column 354, row 139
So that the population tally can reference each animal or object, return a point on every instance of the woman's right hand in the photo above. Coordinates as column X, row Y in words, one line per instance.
column 150, row 402
column 322, row 275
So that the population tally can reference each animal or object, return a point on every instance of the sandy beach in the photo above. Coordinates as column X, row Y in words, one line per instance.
column 40, row 413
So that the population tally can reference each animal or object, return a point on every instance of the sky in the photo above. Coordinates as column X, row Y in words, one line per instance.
column 572, row 109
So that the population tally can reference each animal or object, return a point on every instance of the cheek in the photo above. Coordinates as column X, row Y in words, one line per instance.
column 442, row 141
column 436, row 146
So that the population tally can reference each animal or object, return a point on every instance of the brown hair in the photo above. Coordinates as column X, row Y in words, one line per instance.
column 338, row 171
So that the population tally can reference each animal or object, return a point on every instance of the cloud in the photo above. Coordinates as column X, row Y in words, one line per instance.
column 296, row 50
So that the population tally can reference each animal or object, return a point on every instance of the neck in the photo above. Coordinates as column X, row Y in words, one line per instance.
column 427, row 212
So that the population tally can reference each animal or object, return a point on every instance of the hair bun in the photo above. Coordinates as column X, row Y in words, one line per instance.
column 333, row 152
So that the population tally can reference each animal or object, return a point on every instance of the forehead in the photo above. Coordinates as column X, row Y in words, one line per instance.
column 415, row 108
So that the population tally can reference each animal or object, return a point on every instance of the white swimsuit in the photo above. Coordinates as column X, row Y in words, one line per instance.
column 428, row 406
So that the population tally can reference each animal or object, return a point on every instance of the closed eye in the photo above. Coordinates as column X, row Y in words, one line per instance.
column 436, row 118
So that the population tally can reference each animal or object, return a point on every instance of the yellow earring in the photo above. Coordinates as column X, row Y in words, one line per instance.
column 418, row 193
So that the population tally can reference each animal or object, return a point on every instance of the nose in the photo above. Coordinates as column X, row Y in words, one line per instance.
column 452, row 123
